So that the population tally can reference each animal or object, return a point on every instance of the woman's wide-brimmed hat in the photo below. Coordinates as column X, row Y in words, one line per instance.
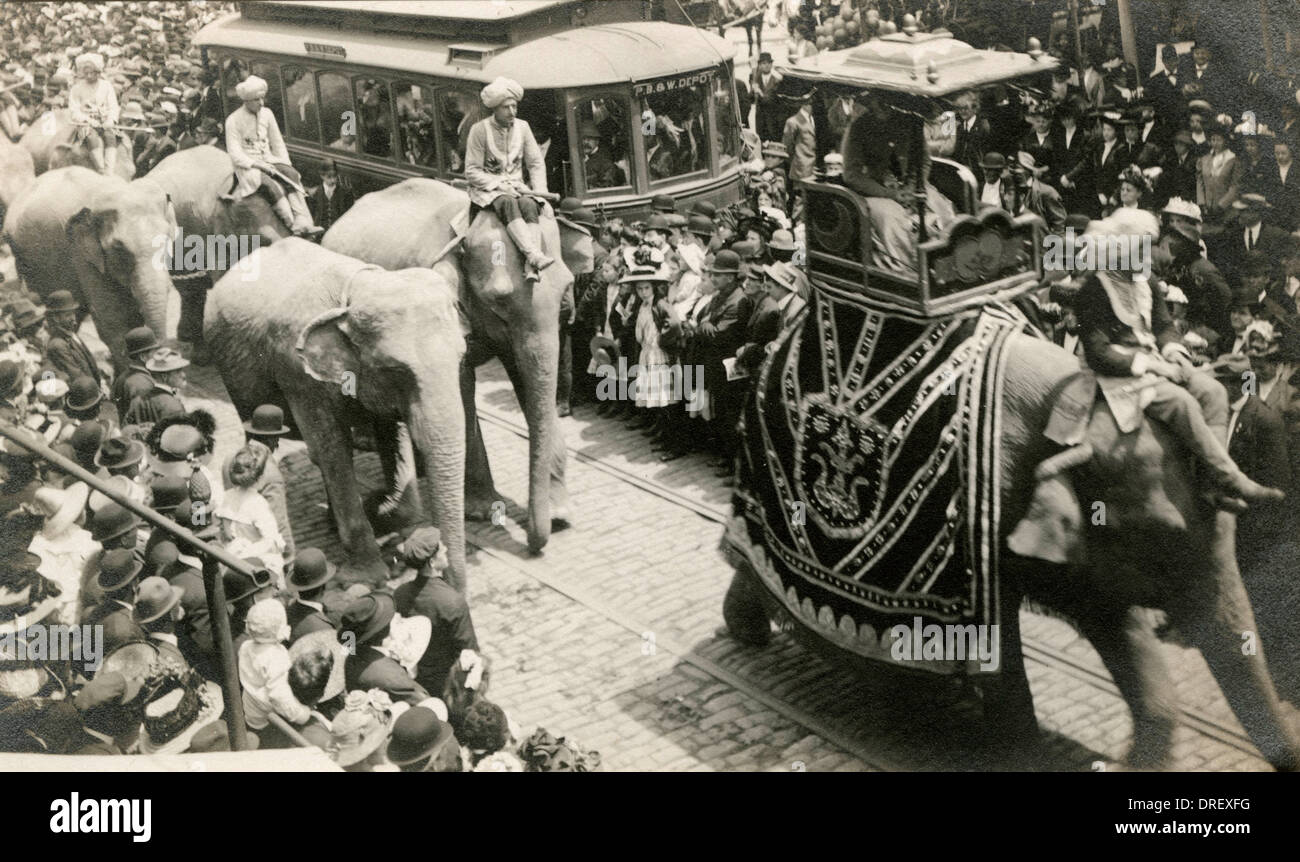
column 604, row 350
column 61, row 507
column 179, row 704
column 360, row 728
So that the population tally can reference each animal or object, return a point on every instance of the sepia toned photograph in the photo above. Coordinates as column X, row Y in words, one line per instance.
column 650, row 386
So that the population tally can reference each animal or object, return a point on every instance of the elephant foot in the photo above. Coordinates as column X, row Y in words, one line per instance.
column 559, row 523
column 1152, row 744
column 743, row 612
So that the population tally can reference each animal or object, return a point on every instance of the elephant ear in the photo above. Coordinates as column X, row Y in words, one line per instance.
column 327, row 351
column 83, row 233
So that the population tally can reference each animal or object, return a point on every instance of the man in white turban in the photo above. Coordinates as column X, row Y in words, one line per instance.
column 92, row 102
column 497, row 152
column 258, row 152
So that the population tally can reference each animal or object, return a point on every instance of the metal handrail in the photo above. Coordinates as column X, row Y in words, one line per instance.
column 213, row 558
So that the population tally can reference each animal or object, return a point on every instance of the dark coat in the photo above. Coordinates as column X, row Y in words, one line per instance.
column 135, row 381
column 304, row 619
column 369, row 668
column 1232, row 246
column 763, row 327
column 194, row 632
column 972, row 144
column 119, row 624
column 453, row 629
column 1177, row 178
column 1259, row 446
column 1103, row 334
column 1284, row 196
column 601, row 172
column 70, row 356
column 720, row 331
column 325, row 211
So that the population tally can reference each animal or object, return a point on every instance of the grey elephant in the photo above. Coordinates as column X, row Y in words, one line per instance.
column 509, row 317
column 346, row 344
column 197, row 180
column 49, row 140
column 1159, row 544
column 102, row 238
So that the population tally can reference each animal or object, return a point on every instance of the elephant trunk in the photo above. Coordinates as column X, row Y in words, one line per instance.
column 152, row 294
column 437, row 426
column 538, row 358
column 1224, row 630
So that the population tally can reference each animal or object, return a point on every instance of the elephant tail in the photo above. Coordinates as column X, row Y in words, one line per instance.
column 1068, row 459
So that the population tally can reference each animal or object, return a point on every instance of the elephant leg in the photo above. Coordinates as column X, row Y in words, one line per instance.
column 480, row 491
column 1008, row 704
column 1128, row 646
column 1215, row 615
column 194, row 298
column 743, row 611
column 329, row 441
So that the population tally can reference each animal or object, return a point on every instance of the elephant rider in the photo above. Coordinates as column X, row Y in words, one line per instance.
column 1127, row 333
column 257, row 150
column 497, row 152
column 92, row 102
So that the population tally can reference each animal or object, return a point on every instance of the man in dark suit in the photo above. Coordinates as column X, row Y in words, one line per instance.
column 65, row 350
column 366, row 622
column 597, row 165
column 118, row 570
column 110, row 720
column 1214, row 78
column 430, row 596
column 764, row 322
column 306, row 613
column 1191, row 404
column 1250, row 234
column 331, row 199
column 1164, row 88
column 769, row 118
column 973, row 132
column 1070, row 163
column 136, row 380
column 719, row 333
column 1178, row 175
column 1281, row 185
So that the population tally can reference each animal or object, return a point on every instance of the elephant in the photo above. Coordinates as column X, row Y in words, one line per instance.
column 101, row 238
column 49, row 140
column 1159, row 543
column 342, row 343
column 509, row 317
column 197, row 180
column 17, row 170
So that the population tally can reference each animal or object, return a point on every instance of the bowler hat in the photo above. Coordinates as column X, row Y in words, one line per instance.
column 169, row 492
column 417, row 734
column 86, row 440
column 83, row 393
column 700, row 225
column 726, row 261
column 658, row 221
column 368, row 616
column 310, row 570
column 588, row 129
column 62, row 300
column 140, row 340
column 663, row 204
column 705, row 209
column 1251, row 201
column 583, row 217
column 117, row 568
column 117, row 452
column 782, row 240
column 764, row 56
column 1244, row 297
column 267, row 421
column 993, row 161
column 110, row 522
column 155, row 598
column 1183, row 136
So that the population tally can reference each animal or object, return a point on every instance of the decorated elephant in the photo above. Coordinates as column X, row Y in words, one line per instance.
column 897, row 474
column 346, row 344
column 99, row 237
column 509, row 317
column 197, row 180
column 49, row 140
column 16, row 172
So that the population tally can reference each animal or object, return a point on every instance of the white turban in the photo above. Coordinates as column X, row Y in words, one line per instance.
column 251, row 87
column 500, row 90
column 91, row 59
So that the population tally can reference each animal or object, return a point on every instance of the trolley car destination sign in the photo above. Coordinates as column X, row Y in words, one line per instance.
column 667, row 85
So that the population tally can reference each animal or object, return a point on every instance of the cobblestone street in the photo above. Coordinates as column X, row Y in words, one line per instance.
column 611, row 636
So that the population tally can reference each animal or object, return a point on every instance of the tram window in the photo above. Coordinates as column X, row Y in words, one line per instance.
column 458, row 109
column 724, row 114
column 545, row 116
column 416, row 126
column 274, row 99
column 300, row 103
column 374, row 117
column 338, row 117
column 602, row 122
column 233, row 70
column 673, row 125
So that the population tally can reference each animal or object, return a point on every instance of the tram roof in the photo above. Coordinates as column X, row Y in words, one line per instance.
column 922, row 64
column 462, row 10
column 579, row 57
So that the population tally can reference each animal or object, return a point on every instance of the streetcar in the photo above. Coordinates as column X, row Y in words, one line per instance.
column 623, row 108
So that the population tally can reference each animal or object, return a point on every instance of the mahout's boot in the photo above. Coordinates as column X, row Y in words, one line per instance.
column 526, row 241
